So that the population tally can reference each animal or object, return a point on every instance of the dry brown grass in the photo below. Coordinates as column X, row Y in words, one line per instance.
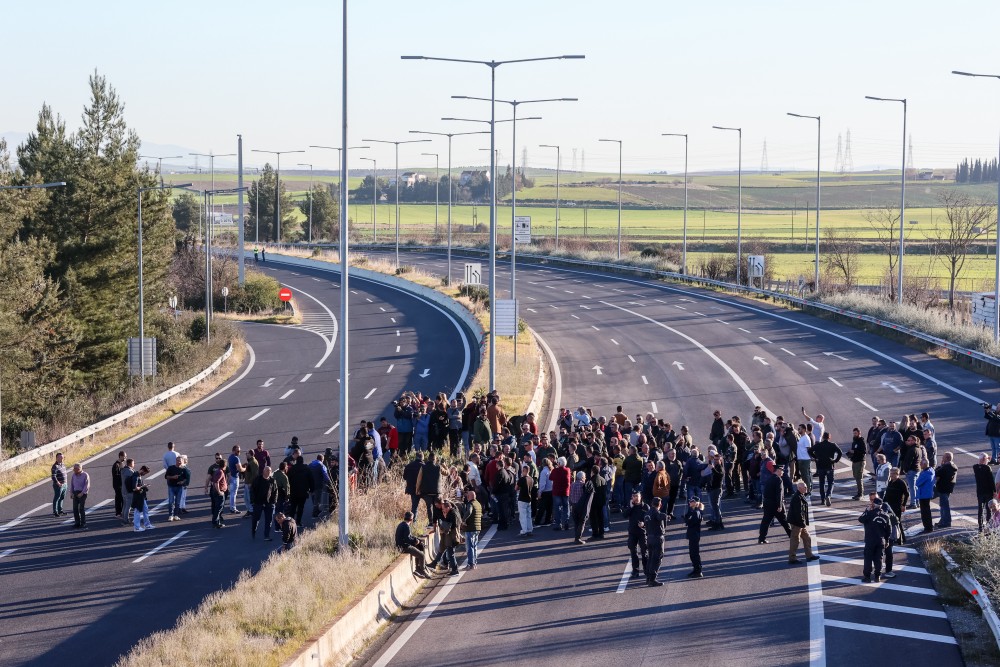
column 39, row 469
column 265, row 619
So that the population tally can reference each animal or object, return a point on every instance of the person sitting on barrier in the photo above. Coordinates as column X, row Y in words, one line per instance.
column 408, row 543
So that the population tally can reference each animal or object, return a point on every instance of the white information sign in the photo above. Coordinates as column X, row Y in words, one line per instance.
column 522, row 229
column 506, row 317
column 473, row 273
column 755, row 264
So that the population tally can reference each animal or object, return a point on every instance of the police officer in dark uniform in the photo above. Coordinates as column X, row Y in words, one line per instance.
column 656, row 525
column 636, row 515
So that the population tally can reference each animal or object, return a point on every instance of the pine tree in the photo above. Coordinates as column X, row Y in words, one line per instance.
column 263, row 188
column 325, row 213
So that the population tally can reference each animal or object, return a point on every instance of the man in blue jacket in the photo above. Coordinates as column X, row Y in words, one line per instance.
column 925, row 492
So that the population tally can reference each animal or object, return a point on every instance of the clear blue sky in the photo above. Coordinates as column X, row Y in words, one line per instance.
column 194, row 74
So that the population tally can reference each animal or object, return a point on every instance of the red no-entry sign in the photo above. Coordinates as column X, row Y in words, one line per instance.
column 285, row 294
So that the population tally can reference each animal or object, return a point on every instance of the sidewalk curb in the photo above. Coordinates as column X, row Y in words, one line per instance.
column 975, row 589
column 537, row 402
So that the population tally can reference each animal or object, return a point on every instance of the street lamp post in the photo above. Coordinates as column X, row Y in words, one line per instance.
column 902, row 196
column 38, row 186
column 306, row 164
column 619, row 142
column 684, row 243
column 159, row 162
column 449, row 135
column 396, row 144
column 437, row 187
column 558, row 162
column 374, row 196
column 492, row 64
column 819, row 130
column 211, row 165
column 739, row 209
column 277, row 190
column 996, row 295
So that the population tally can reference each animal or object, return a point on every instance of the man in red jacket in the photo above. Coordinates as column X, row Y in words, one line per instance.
column 390, row 440
column 560, row 478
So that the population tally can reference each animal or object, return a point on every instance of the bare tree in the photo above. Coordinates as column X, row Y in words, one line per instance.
column 966, row 221
column 883, row 221
column 840, row 255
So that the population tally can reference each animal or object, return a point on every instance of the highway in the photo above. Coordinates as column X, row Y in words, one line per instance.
column 681, row 352
column 69, row 594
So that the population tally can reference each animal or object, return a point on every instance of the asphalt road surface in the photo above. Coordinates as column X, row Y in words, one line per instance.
column 85, row 598
column 681, row 352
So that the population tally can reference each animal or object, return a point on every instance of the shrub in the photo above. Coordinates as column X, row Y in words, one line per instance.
column 259, row 293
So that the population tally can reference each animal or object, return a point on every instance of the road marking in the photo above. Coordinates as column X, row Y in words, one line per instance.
column 594, row 328
column 389, row 370
column 681, row 307
column 834, row 381
column 269, row 382
column 576, row 317
column 787, row 351
column 156, row 474
column 631, row 358
column 856, row 581
column 369, row 300
column 331, row 429
column 654, row 407
column 286, row 394
column 764, row 339
column 703, row 315
column 431, row 607
column 743, row 330
column 892, row 386
column 90, row 509
column 6, row 552
column 895, row 632
column 623, row 584
column 381, row 308
column 221, row 437
column 369, row 394
column 620, row 291
column 809, row 365
column 833, row 354
column 532, row 310
column 294, row 274
column 550, row 286
column 157, row 549
column 644, row 380
column 551, row 306
column 761, row 360
column 397, row 349
column 10, row 524
column 966, row 452
column 254, row 418
column 306, row 377
column 567, row 291
column 585, row 307
column 659, row 300
column 860, row 545
column 533, row 298
column 865, row 404
column 160, row 506
column 585, row 296
column 723, row 321
column 614, row 341
column 393, row 319
column 317, row 280
column 860, row 563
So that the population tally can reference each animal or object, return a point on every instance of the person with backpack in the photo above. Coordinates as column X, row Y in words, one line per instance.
column 877, row 533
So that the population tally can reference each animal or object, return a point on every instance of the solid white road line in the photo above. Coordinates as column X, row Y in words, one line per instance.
column 894, row 632
column 254, row 418
column 861, row 545
column 556, row 381
column 331, row 429
column 286, row 394
column 623, row 584
column 644, row 380
column 165, row 544
column 431, row 607
column 89, row 510
column 6, row 552
column 369, row 394
column 221, row 437
column 809, row 365
column 834, row 381
column 861, row 563
column 856, row 581
column 865, row 404
column 389, row 370
column 10, row 524
column 306, row 377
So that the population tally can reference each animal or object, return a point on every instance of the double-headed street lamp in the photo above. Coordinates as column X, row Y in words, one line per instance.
column 902, row 196
column 819, row 129
column 449, row 135
column 739, row 209
column 277, row 190
column 558, row 162
column 996, row 296
column 142, row 308
column 684, row 243
column 396, row 144
column 38, row 186
column 306, row 164
column 211, row 165
column 159, row 162
column 619, row 142
column 374, row 196
column 493, row 64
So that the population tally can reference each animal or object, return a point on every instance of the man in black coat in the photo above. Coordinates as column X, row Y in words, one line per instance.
column 597, row 505
column 656, row 528
column 827, row 453
column 636, row 517
column 410, row 474
column 798, row 520
column 300, row 486
column 877, row 533
column 985, row 488
column 774, row 502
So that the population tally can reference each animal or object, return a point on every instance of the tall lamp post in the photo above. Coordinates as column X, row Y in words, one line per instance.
column 902, row 196
column 449, row 135
column 684, row 244
column 396, row 144
column 739, row 205
column 819, row 130
column 277, row 190
column 492, row 64
column 558, row 163
column 142, row 305
column 374, row 196
column 306, row 164
column 211, row 165
column 996, row 296
column 38, row 186
column 159, row 162
column 437, row 188
column 619, row 142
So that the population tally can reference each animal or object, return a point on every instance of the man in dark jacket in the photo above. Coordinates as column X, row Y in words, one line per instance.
column 656, row 528
column 692, row 519
column 718, row 430
column 985, row 487
column 632, row 471
column 410, row 474
column 263, row 496
column 774, row 503
column 300, row 486
column 428, row 485
column 798, row 520
column 944, row 483
column 636, row 516
column 289, row 531
column 597, row 506
column 877, row 533
column 407, row 543
column 992, row 418
column 116, row 483
column 405, row 417
column 909, row 464
column 827, row 453
column 857, row 455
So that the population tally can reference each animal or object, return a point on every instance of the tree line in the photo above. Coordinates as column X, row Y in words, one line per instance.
column 980, row 171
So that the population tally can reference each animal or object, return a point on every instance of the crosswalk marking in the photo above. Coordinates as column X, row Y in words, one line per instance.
column 880, row 606
column 895, row 632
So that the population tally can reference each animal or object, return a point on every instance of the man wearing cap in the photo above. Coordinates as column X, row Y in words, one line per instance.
column 877, row 533
column 656, row 526
column 774, row 502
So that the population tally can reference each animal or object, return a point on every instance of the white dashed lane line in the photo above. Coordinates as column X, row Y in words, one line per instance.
column 286, row 394
column 594, row 328
column 615, row 342
column 162, row 546
column 369, row 394
column 576, row 317
column 331, row 429
column 254, row 418
column 90, row 509
column 397, row 349
column 809, row 365
column 834, row 381
column 644, row 380
column 787, row 351
column 219, row 439
column 389, row 370
column 764, row 339
column 13, row 522
column 865, row 404
column 6, row 552
column 306, row 377
column 743, row 330
column 631, row 358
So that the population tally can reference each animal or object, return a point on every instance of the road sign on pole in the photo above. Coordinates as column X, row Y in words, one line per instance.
column 473, row 273
column 506, row 317
column 522, row 229
column 148, row 357
column 285, row 294
column 756, row 266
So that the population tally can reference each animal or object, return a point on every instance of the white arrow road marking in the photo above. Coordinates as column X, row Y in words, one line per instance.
column 369, row 394
column 162, row 546
column 286, row 394
column 865, row 404
column 834, row 381
column 426, row 372
column 644, row 380
column 809, row 365
column 269, row 382
column 306, row 377
column 893, row 387
column 254, row 418
column 13, row 522
column 761, row 360
column 834, row 354
column 598, row 369
column 331, row 429
column 679, row 365
column 220, row 438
